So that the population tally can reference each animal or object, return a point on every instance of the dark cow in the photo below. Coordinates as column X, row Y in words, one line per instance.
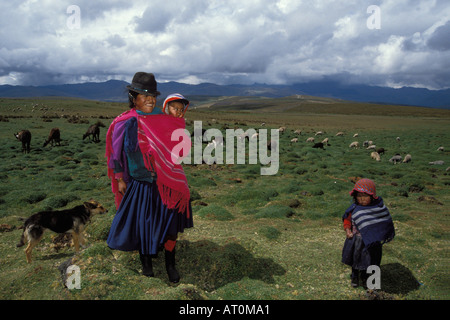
column 93, row 130
column 25, row 137
column 54, row 137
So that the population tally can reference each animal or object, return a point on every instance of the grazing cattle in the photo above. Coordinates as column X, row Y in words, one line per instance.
column 354, row 144
column 318, row 145
column 376, row 156
column 25, row 137
column 396, row 159
column 54, row 137
column 93, row 130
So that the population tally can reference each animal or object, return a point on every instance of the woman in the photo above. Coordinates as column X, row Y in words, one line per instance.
column 151, row 191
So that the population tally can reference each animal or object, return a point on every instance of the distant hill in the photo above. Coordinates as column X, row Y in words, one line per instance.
column 114, row 90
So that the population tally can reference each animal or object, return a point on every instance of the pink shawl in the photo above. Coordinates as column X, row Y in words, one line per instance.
column 159, row 152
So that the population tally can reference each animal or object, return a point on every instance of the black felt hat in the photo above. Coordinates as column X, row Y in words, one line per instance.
column 144, row 83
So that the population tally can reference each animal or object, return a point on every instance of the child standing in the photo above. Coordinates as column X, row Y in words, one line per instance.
column 175, row 105
column 368, row 225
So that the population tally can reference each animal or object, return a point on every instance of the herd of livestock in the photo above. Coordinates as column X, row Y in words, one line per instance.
column 93, row 131
column 54, row 137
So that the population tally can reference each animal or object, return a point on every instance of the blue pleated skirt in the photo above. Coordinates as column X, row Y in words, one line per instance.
column 143, row 222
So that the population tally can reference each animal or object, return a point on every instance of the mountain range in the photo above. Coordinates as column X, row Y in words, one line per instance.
column 115, row 91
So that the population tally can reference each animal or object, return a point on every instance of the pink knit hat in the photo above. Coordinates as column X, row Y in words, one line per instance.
column 175, row 97
column 365, row 186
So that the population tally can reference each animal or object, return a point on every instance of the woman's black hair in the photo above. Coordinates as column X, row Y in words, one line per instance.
column 132, row 95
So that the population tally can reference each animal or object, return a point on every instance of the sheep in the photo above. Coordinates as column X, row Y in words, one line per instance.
column 318, row 133
column 295, row 140
column 440, row 149
column 355, row 135
column 310, row 139
column 398, row 138
column 372, row 147
column 381, row 151
column 298, row 131
column 340, row 134
column 354, row 144
column 54, row 137
column 281, row 130
column 375, row 155
column 25, row 137
column 325, row 141
column 396, row 159
column 407, row 158
column 438, row 162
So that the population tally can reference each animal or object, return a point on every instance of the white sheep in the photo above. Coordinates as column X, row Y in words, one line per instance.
column 396, row 159
column 281, row 129
column 325, row 141
column 298, row 131
column 354, row 144
column 371, row 147
column 355, row 135
column 318, row 133
column 295, row 140
column 375, row 155
column 310, row 139
column 440, row 149
column 407, row 158
column 339, row 134
column 438, row 162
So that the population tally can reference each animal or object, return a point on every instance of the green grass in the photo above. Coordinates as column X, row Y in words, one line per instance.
column 255, row 237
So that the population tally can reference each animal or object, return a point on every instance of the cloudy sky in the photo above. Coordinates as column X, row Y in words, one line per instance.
column 378, row 42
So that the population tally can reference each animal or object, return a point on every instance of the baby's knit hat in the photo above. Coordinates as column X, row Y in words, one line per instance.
column 365, row 186
column 175, row 97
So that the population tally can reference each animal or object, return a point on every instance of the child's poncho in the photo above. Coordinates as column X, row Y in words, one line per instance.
column 373, row 222
column 159, row 152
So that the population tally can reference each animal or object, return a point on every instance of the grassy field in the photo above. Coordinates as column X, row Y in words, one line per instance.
column 255, row 237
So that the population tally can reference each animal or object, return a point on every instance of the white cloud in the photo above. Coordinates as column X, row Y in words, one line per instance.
column 262, row 41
